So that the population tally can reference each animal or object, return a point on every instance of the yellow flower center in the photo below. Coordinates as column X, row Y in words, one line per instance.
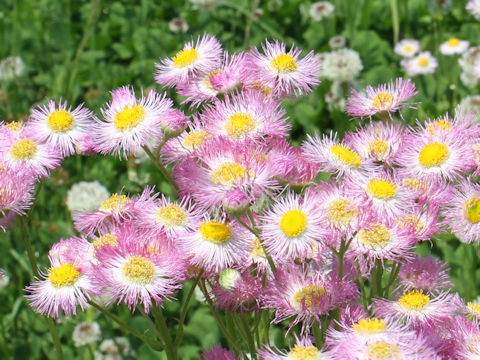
column 346, row 155
column 194, row 139
column 114, row 202
column 408, row 49
column 284, row 63
column 172, row 215
column 139, row 270
column 15, row 126
column 377, row 235
column 107, row 239
column 433, row 154
column 239, row 124
column 303, row 353
column 60, row 121
column 439, row 124
column 64, row 275
column 382, row 100
column 129, row 117
column 341, row 211
column 415, row 184
column 472, row 210
column 185, row 57
column 23, row 149
column 370, row 326
column 423, row 61
column 379, row 148
column 293, row 223
column 453, row 42
column 215, row 232
column 263, row 88
column 382, row 189
column 414, row 300
column 412, row 220
column 382, row 350
column 228, row 173
column 309, row 296
column 257, row 249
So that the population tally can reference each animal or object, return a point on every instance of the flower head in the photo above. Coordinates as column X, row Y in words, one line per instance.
column 407, row 47
column 454, row 46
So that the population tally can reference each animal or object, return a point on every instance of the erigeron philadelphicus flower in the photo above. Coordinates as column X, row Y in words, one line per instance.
column 446, row 124
column 223, row 166
column 22, row 153
column 4, row 279
column 293, row 226
column 86, row 333
column 422, row 64
column 425, row 273
column 454, row 46
column 470, row 104
column 246, row 115
column 73, row 250
column 86, row 195
column 463, row 212
column 16, row 192
column 177, row 24
column 469, row 64
column 342, row 65
column 415, row 308
column 407, row 47
column 216, row 244
column 320, row 10
column 474, row 7
column 305, row 297
column 379, row 141
column 430, row 193
column 59, row 125
column 302, row 350
column 130, row 122
column 218, row 353
column 257, row 256
column 196, row 57
column 337, row 42
column 467, row 338
column 386, row 98
column 421, row 221
column 115, row 349
column 11, row 67
column 289, row 74
column 130, row 272
column 173, row 123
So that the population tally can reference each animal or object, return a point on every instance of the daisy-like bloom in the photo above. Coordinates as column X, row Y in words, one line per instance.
column 425, row 273
column 196, row 57
column 463, row 213
column 379, row 141
column 416, row 308
column 446, row 124
column 86, row 195
column 22, row 153
column 422, row 64
column 289, row 74
column 386, row 98
column 293, row 227
column 337, row 42
column 469, row 64
column 257, row 256
column 320, row 10
column 11, row 67
column 407, row 47
column 302, row 350
column 130, row 273
column 306, row 296
column 474, row 7
column 86, row 333
column 342, row 65
column 59, row 125
column 224, row 166
column 16, row 192
column 422, row 222
column 218, row 353
column 216, row 244
column 178, row 24
column 130, row 122
column 467, row 336
column 332, row 155
column 454, row 46
column 246, row 115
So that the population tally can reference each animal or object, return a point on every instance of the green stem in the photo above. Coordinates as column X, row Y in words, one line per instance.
column 393, row 276
column 395, row 20
column 152, row 324
column 362, row 287
column 249, row 337
column 317, row 333
column 163, row 329
column 56, row 339
column 248, row 26
column 162, row 168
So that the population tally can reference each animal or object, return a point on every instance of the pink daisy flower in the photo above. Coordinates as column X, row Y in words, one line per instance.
column 460, row 125
column 59, row 125
column 474, row 7
column 201, row 56
column 16, row 192
column 292, row 228
column 425, row 273
column 302, row 350
column 130, row 122
column 386, row 98
column 246, row 115
column 422, row 222
column 290, row 74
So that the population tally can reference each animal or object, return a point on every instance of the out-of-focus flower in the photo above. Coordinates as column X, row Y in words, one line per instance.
column 342, row 65
column 114, row 349
column 11, row 68
column 474, row 7
column 471, row 104
column 337, row 42
column 468, row 62
column 4, row 279
column 86, row 195
column 422, row 64
column 178, row 24
column 407, row 47
column 86, row 333
column 320, row 10
column 454, row 46
column 205, row 5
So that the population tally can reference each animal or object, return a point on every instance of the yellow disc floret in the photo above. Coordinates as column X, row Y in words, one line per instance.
column 341, row 211
column 228, row 173
column 284, row 63
column 414, row 300
column 64, row 275
column 107, row 239
column 346, row 155
column 257, row 249
column 293, row 223
column 194, row 139
column 382, row 100
column 376, row 235
column 23, row 149
column 382, row 350
column 172, row 215
column 370, row 326
column 309, row 296
column 15, row 126
column 239, row 124
column 379, row 148
column 472, row 210
column 215, row 232
column 114, row 203
column 139, row 270
column 185, row 57
column 443, row 124
column 453, row 42
column 129, row 117
column 303, row 353
column 433, row 154
column 415, row 184
column 60, row 121
column 423, row 61
column 382, row 189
